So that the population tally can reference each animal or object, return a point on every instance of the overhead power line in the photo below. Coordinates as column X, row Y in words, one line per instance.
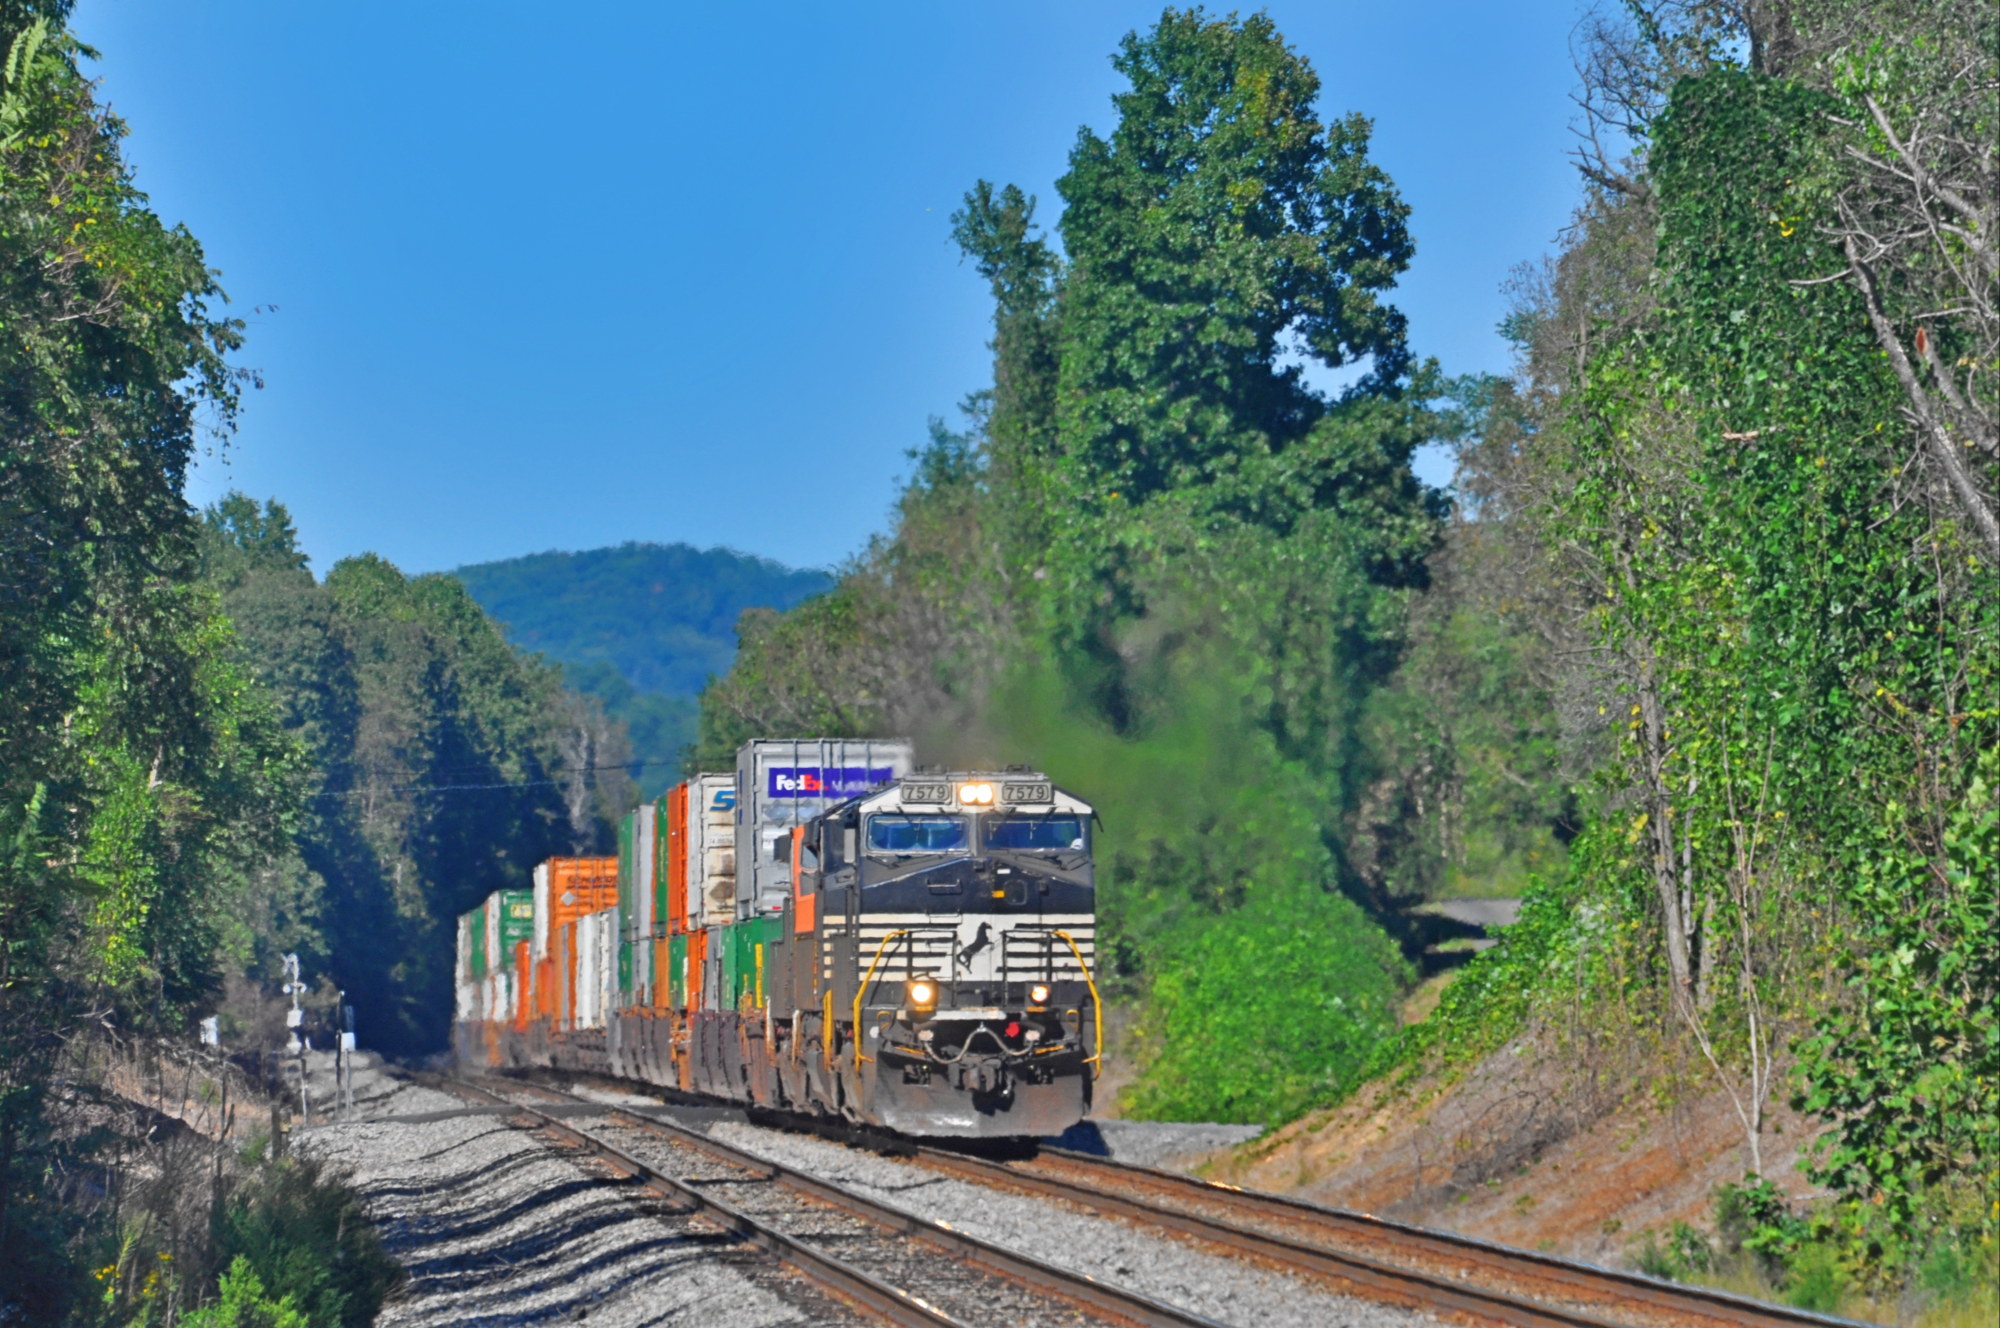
column 507, row 784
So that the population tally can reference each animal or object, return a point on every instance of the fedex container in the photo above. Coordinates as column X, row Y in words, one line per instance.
column 781, row 783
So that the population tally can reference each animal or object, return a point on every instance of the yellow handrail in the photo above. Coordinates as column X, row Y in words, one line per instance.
column 1096, row 1007
column 826, row 1032
column 862, row 990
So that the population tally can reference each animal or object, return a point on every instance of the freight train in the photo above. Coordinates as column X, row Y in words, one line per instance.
column 829, row 930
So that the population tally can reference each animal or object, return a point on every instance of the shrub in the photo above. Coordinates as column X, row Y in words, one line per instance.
column 299, row 1230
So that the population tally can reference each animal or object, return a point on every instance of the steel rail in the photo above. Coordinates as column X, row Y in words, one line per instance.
column 831, row 1274
column 1102, row 1298
column 1686, row 1305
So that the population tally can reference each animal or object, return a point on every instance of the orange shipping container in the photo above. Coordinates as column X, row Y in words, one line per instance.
column 677, row 859
column 568, row 888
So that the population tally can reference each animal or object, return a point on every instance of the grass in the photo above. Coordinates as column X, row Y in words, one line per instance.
column 1976, row 1306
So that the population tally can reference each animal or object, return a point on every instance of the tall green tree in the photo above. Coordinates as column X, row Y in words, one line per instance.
column 444, row 760
column 137, row 767
column 1159, row 563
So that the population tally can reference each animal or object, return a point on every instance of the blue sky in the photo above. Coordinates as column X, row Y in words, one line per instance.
column 519, row 281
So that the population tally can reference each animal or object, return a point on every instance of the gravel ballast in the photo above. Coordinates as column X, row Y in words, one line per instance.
column 496, row 1226
column 1168, row 1145
column 1226, row 1290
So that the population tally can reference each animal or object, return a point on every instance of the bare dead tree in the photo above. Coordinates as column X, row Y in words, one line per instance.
column 1916, row 203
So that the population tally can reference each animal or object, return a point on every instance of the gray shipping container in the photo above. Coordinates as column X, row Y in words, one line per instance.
column 782, row 782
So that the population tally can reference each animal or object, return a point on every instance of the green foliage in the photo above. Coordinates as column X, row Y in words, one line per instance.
column 1818, row 669
column 1472, row 773
column 1910, row 1064
column 245, row 1304
column 1684, row 1254
column 1267, row 1009
column 299, row 1233
column 143, row 780
column 1219, row 216
column 443, row 762
column 1161, row 567
column 1793, row 854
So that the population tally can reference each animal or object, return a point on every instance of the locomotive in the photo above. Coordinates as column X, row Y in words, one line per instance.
column 828, row 931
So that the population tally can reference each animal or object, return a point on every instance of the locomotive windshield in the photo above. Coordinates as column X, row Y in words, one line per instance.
column 918, row 834
column 1031, row 832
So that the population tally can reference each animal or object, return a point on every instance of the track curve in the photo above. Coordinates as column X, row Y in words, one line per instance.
column 889, row 1262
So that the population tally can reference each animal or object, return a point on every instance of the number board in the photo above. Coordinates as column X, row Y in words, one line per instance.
column 930, row 793
column 1026, row 793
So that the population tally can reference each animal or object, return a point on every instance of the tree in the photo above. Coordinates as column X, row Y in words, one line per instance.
column 446, row 764
column 137, row 768
column 1219, row 220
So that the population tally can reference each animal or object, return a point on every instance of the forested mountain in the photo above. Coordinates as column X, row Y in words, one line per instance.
column 641, row 627
column 1703, row 659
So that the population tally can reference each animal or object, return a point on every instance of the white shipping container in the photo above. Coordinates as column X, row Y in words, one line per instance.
column 587, row 980
column 465, row 994
column 645, row 876
column 783, row 782
column 596, row 967
column 711, row 855
column 540, row 949
column 492, row 909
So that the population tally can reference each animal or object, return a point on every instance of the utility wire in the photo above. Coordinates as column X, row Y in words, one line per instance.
column 516, row 783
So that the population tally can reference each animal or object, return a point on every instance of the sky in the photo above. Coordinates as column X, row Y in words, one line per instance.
column 673, row 272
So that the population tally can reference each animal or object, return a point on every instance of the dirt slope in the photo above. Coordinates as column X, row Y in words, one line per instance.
column 1531, row 1148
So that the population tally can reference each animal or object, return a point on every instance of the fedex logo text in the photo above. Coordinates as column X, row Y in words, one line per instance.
column 810, row 781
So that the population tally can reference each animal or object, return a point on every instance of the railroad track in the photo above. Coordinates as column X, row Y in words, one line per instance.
column 1375, row 1258
column 901, row 1267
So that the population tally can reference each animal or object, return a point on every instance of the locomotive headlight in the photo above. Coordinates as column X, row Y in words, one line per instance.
column 922, row 994
column 975, row 795
column 1038, row 995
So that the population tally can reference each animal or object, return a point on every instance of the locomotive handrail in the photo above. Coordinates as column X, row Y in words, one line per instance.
column 1096, row 1009
column 862, row 990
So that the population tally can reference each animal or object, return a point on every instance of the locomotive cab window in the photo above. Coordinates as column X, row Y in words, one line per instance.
column 1036, row 832
column 918, row 834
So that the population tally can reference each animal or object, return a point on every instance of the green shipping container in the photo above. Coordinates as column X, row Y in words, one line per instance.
column 478, row 957
column 517, row 921
column 625, row 874
column 677, row 966
column 747, row 960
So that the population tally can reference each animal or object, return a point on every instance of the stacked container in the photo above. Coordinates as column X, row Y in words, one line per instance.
column 567, row 890
column 784, row 782
column 638, row 882
column 698, row 887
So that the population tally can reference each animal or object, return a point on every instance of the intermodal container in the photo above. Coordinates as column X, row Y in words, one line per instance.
column 568, row 888
column 783, row 782
column 637, row 884
column 711, row 880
